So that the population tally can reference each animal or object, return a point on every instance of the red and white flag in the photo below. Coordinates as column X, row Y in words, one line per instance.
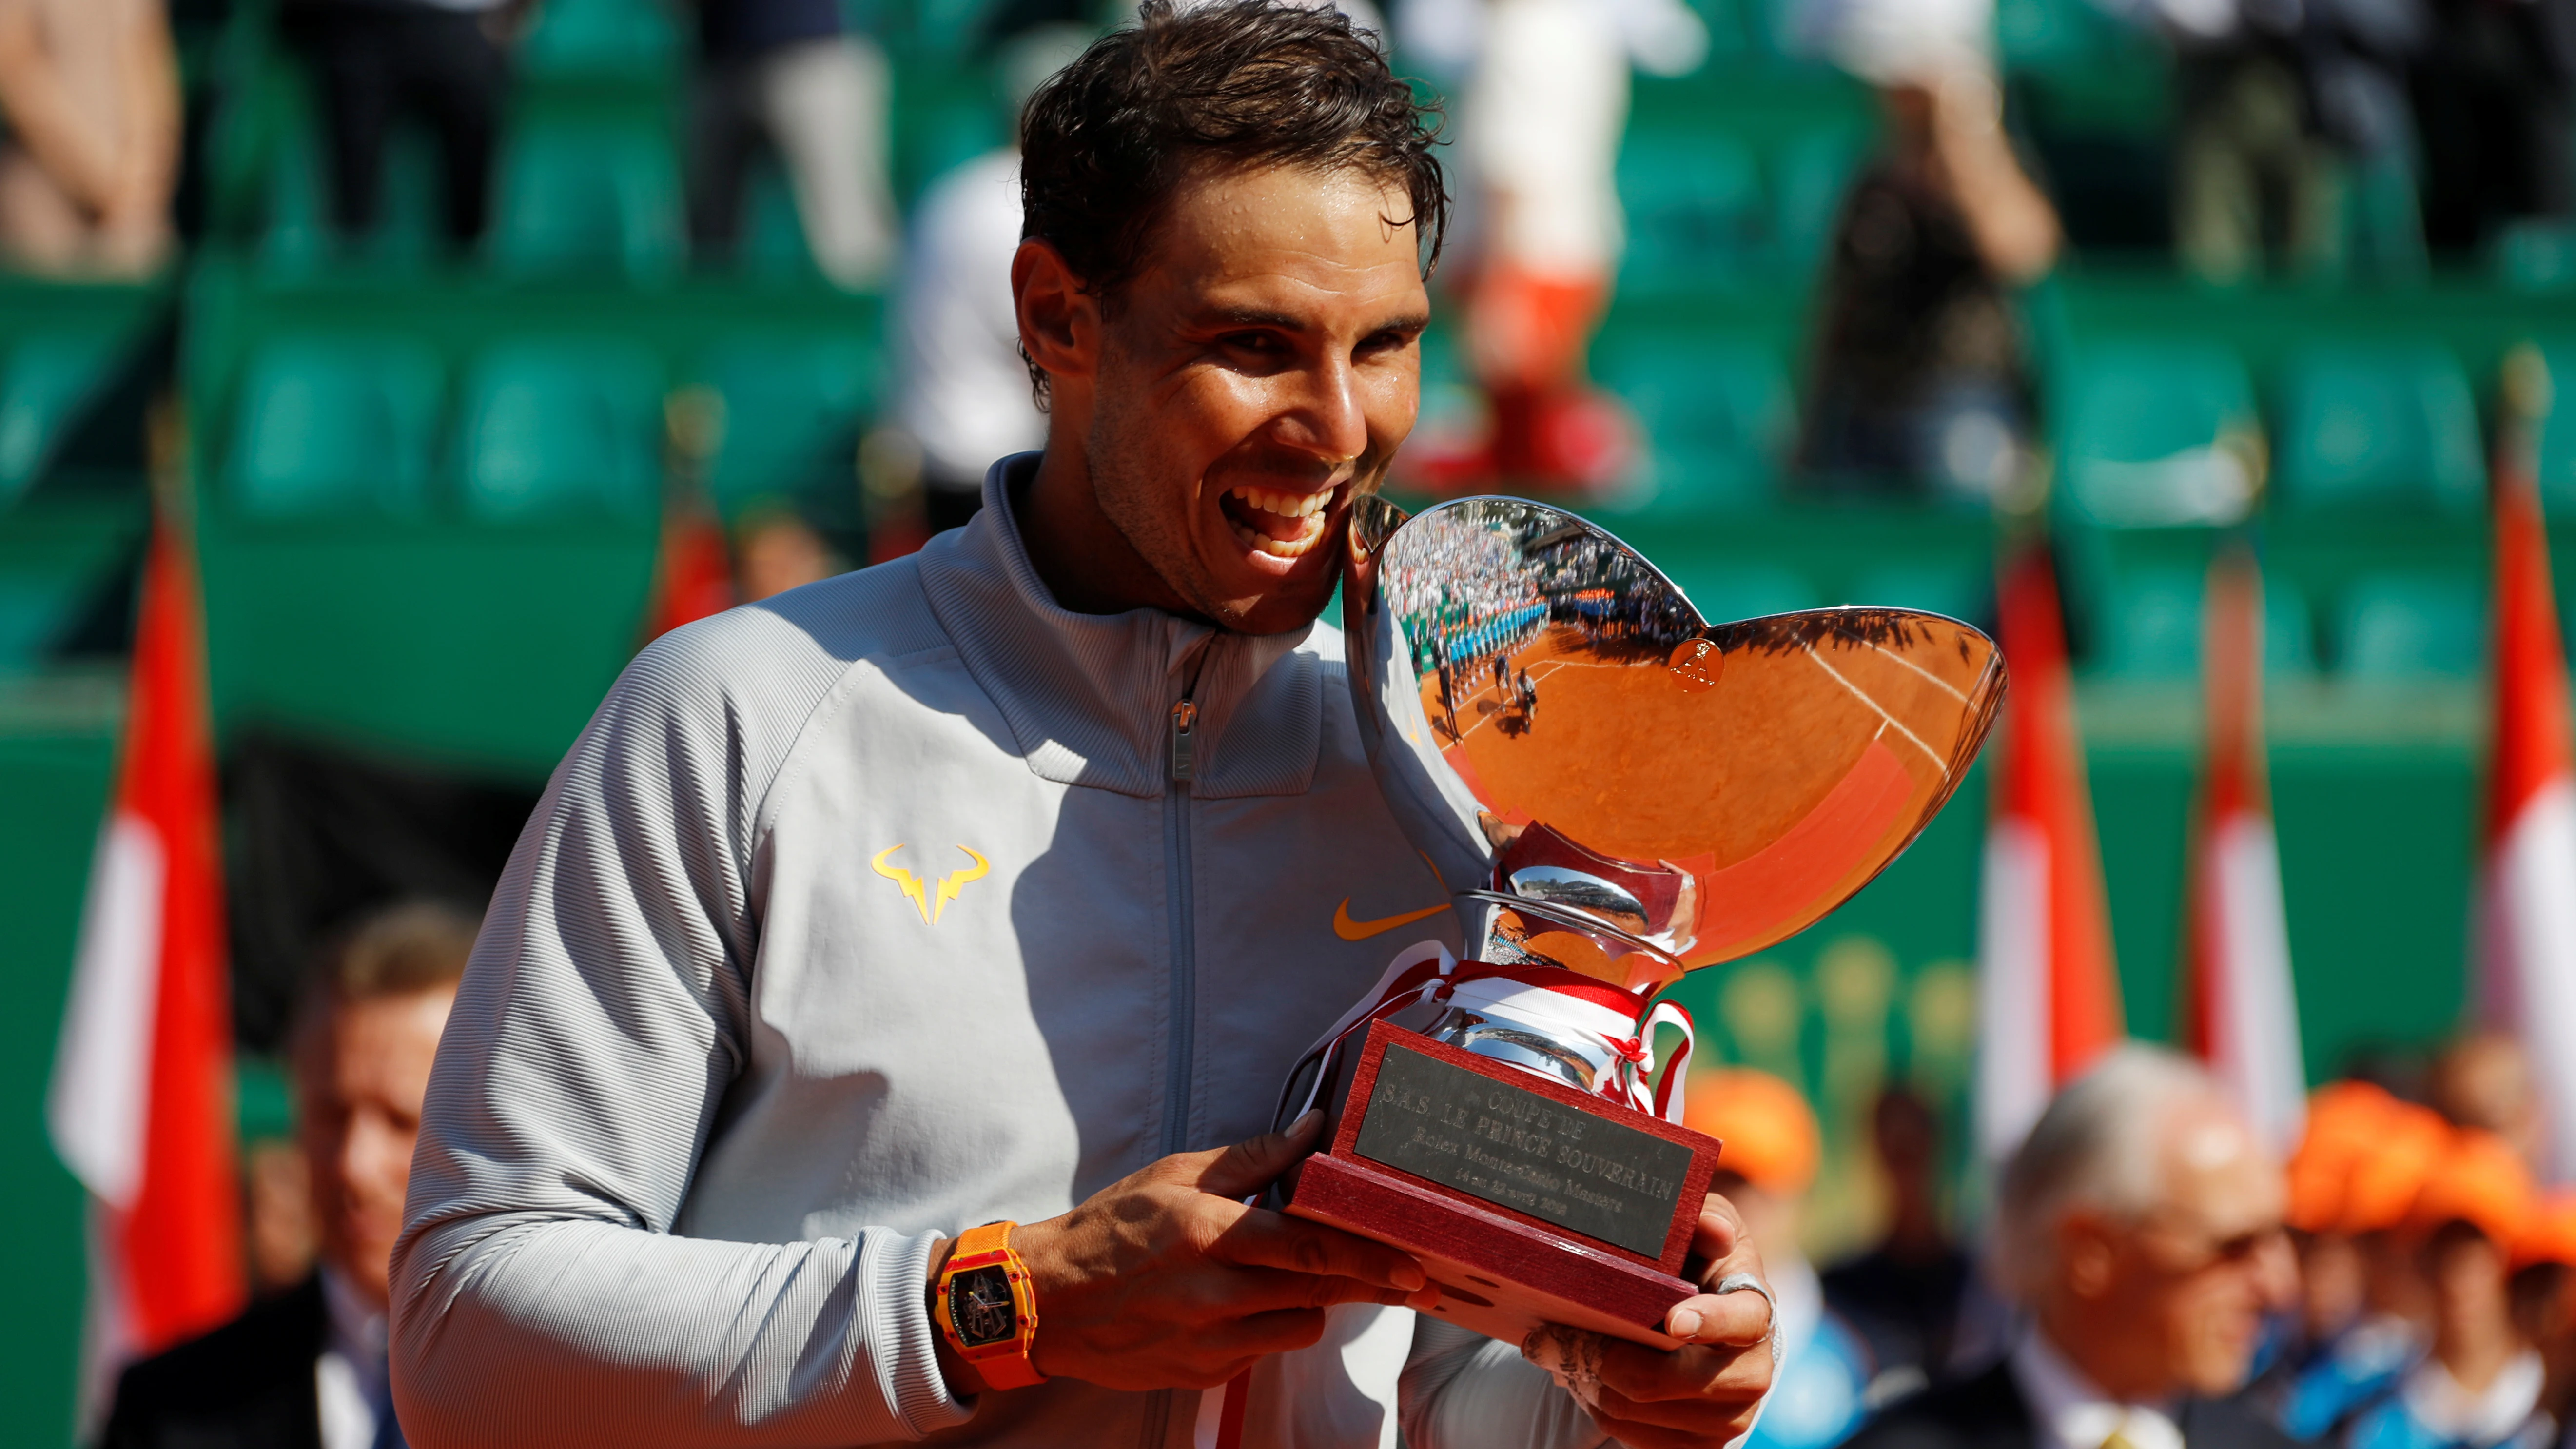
column 141, row 1104
column 2240, row 1009
column 2048, row 991
column 2526, row 921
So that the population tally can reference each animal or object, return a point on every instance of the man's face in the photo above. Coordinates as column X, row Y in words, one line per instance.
column 1253, row 378
column 2467, row 1273
column 2333, row 1288
column 2197, row 1276
column 360, row 1077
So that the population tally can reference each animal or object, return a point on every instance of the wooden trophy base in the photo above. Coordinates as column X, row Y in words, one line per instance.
column 1526, row 1201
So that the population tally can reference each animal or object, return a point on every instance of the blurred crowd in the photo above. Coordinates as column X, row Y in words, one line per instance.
column 2153, row 1274
column 2327, row 137
column 2149, row 1272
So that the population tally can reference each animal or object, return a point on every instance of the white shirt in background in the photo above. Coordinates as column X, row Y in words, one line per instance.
column 2436, row 1400
column 962, row 391
column 2068, row 1412
column 1543, row 105
column 349, row 1377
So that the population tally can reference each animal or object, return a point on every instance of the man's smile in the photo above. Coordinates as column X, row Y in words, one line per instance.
column 1280, row 524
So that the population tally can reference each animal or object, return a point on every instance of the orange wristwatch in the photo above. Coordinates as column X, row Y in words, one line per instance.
column 987, row 1308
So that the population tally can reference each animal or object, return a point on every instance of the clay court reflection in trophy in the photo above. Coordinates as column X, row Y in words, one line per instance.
column 1616, row 792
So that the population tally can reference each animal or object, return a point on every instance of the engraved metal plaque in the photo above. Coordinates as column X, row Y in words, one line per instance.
column 1515, row 1148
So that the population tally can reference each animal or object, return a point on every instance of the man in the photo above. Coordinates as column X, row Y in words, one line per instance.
column 2484, row 1080
column 789, row 72
column 1904, row 1295
column 2479, row 1382
column 2406, row 1143
column 951, row 326
column 992, row 890
column 1543, row 102
column 2139, row 1227
column 89, row 90
column 438, row 61
column 307, row 1367
column 2344, row 1120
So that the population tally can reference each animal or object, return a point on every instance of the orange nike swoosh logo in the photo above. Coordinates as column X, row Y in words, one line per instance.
column 1350, row 930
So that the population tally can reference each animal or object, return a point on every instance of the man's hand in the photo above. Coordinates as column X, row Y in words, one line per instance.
column 1703, row 1393
column 1166, row 1280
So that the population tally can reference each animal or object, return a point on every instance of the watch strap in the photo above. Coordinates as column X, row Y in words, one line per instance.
column 1005, row 1364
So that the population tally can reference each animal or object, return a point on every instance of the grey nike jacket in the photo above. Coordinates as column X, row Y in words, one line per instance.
column 864, row 915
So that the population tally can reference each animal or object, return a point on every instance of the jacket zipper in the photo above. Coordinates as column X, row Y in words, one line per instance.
column 1184, row 763
column 1176, row 816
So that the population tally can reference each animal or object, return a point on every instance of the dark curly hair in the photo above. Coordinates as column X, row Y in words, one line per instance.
column 1233, row 84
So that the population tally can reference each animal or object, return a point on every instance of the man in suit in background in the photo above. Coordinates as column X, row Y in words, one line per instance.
column 306, row 1368
column 2140, row 1231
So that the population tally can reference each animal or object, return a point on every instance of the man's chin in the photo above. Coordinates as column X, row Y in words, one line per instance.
column 1264, row 602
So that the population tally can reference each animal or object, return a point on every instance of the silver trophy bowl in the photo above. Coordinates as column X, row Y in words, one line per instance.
column 1610, row 784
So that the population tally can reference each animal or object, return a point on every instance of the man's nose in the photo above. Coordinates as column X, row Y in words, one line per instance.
column 1329, row 420
column 375, row 1156
column 2276, row 1272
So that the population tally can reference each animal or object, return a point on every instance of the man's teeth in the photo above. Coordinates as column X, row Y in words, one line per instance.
column 1301, row 510
column 1286, row 505
column 1278, row 547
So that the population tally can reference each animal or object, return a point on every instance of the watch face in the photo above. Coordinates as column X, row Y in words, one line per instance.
column 979, row 1303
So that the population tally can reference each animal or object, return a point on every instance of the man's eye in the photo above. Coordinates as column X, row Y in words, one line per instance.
column 1261, row 342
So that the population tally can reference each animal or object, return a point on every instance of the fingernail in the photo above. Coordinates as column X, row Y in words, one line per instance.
column 1685, row 1323
column 1408, row 1277
column 1313, row 1115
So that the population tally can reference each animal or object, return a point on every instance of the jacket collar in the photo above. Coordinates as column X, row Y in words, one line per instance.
column 1089, row 697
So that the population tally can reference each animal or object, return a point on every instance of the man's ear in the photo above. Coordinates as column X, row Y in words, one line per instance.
column 1059, row 321
column 2087, row 1254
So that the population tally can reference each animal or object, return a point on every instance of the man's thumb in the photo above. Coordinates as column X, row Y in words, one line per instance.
column 1252, row 1164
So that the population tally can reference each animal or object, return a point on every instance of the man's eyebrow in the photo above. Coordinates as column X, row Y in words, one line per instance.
column 1255, row 317
column 1288, row 322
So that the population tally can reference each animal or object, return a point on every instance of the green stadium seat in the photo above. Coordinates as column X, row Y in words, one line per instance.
column 1810, row 176
column 557, row 429
column 2536, row 255
column 600, row 37
column 1695, row 212
column 2411, row 627
column 2154, row 631
column 33, row 613
column 2052, row 33
column 579, row 196
column 335, row 426
column 2155, row 434
column 2383, row 221
column 793, row 414
column 43, row 385
column 299, row 236
column 2390, row 427
column 772, row 241
column 950, row 29
column 1718, row 418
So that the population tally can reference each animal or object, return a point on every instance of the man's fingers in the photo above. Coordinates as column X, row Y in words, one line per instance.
column 1644, row 1434
column 1739, row 1318
column 1682, row 1386
column 1262, row 1334
column 1260, row 1239
column 1720, row 1231
column 1253, row 1164
column 1246, row 1291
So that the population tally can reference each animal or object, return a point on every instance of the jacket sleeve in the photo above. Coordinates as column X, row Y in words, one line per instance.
column 540, row 1297
column 1462, row 1390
